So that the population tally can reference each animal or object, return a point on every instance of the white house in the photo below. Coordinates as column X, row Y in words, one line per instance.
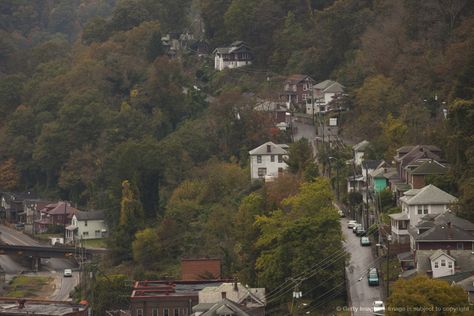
column 237, row 55
column 416, row 204
column 267, row 161
column 442, row 264
column 86, row 225
column 358, row 152
column 324, row 94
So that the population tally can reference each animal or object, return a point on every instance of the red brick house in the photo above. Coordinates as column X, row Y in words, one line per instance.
column 55, row 214
column 167, row 298
column 297, row 88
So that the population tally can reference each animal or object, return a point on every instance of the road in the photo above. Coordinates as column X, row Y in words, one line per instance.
column 361, row 294
column 54, row 266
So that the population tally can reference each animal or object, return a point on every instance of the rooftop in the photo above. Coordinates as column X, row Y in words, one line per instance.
column 430, row 194
column 275, row 149
column 11, row 306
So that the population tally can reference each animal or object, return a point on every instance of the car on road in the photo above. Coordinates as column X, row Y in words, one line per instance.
column 364, row 241
column 351, row 223
column 360, row 231
column 373, row 276
column 355, row 227
column 378, row 307
column 67, row 273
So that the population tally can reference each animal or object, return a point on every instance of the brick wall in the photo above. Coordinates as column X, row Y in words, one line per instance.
column 200, row 269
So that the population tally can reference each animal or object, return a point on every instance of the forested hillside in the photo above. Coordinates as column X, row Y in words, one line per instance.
column 93, row 110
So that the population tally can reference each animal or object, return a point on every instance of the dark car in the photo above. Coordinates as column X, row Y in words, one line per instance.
column 373, row 276
column 360, row 231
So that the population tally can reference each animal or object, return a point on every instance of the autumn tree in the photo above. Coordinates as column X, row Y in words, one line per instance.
column 9, row 176
column 295, row 239
column 424, row 293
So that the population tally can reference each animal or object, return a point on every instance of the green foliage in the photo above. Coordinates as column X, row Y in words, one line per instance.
column 292, row 241
column 300, row 156
column 110, row 292
column 423, row 292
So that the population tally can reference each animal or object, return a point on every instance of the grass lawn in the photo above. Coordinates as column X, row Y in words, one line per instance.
column 94, row 243
column 27, row 286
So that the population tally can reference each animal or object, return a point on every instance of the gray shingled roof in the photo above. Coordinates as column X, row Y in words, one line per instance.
column 275, row 149
column 449, row 217
column 371, row 164
column 90, row 215
column 431, row 195
column 439, row 253
column 225, row 307
column 445, row 232
column 399, row 216
column 430, row 167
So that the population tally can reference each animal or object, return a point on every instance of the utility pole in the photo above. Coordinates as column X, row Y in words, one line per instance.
column 389, row 238
column 337, row 180
column 296, row 292
column 65, row 220
column 367, row 195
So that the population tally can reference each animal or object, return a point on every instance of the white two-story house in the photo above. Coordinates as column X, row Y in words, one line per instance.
column 238, row 54
column 86, row 225
column 267, row 161
column 416, row 204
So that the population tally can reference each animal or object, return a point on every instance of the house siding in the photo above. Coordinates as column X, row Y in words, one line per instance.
column 89, row 231
column 439, row 270
column 453, row 245
column 271, row 167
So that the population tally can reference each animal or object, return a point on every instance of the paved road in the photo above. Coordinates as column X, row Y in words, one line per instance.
column 53, row 266
column 361, row 294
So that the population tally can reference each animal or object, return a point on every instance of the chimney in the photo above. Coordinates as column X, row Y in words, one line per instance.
column 236, row 288
column 21, row 303
column 269, row 148
column 224, row 295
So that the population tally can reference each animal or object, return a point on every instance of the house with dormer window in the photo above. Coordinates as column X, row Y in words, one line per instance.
column 416, row 204
column 267, row 161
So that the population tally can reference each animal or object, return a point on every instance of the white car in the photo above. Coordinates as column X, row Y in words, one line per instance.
column 351, row 223
column 379, row 308
column 67, row 273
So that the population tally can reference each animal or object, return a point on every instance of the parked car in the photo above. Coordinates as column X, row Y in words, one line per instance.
column 351, row 223
column 373, row 276
column 360, row 231
column 364, row 241
column 378, row 308
column 67, row 273
column 19, row 226
column 355, row 227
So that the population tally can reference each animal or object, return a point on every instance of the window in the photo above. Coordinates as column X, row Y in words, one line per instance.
column 460, row 246
column 304, row 96
column 436, row 265
column 450, row 264
column 154, row 312
column 280, row 170
column 166, row 312
column 85, row 234
column 176, row 312
column 425, row 209
column 140, row 312
column 272, row 158
column 443, row 262
column 262, row 172
column 280, row 158
column 97, row 234
column 184, row 312
column 85, row 223
column 420, row 210
column 259, row 159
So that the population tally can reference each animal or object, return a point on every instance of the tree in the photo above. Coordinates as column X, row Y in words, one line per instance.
column 9, row 176
column 131, row 220
column 110, row 292
column 421, row 292
column 300, row 155
column 295, row 239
